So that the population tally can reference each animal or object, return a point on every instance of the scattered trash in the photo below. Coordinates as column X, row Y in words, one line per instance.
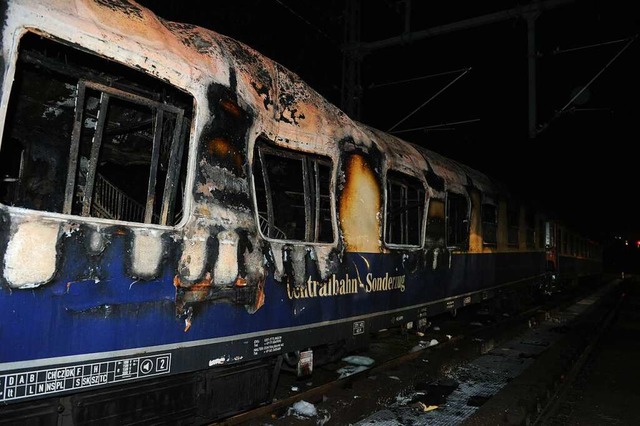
column 433, row 342
column 325, row 418
column 476, row 323
column 448, row 336
column 394, row 377
column 349, row 370
column 294, row 389
column 302, row 409
column 425, row 408
column 436, row 328
column 358, row 360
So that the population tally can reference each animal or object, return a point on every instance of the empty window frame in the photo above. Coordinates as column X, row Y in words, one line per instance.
column 489, row 224
column 513, row 224
column 529, row 224
column 404, row 209
column 293, row 194
column 435, row 232
column 88, row 137
column 457, row 221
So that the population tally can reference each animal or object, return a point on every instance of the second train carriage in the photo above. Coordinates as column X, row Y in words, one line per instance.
column 178, row 212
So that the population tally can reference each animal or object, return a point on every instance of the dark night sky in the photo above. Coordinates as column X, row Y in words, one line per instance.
column 582, row 166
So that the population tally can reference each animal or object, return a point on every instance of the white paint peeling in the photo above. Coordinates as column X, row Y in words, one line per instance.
column 147, row 252
column 436, row 252
column 254, row 262
column 226, row 268
column 97, row 241
column 222, row 179
column 278, row 258
column 297, row 259
column 227, row 217
column 194, row 254
column 322, row 254
column 30, row 259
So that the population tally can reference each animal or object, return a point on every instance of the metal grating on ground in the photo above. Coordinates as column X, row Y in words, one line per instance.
column 477, row 380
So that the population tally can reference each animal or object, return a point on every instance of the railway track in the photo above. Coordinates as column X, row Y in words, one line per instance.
column 559, row 406
column 409, row 365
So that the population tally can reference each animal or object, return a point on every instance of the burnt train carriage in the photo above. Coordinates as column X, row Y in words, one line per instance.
column 178, row 212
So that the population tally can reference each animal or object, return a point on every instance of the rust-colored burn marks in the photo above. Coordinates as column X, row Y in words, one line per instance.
column 360, row 207
column 225, row 152
column 295, row 102
column 475, row 225
column 190, row 295
column 222, row 143
column 247, row 59
column 253, row 69
column 121, row 6
column 263, row 91
column 191, row 36
column 289, row 113
column 231, row 107
column 121, row 15
column 218, row 267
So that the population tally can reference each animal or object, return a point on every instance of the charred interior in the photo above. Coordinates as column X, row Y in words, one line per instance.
column 293, row 194
column 89, row 137
column 405, row 209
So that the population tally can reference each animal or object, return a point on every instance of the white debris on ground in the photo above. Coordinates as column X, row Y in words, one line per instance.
column 358, row 360
column 475, row 383
column 358, row 364
column 422, row 344
column 350, row 369
column 304, row 410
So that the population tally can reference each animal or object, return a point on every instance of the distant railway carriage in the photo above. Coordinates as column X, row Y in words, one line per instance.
column 180, row 214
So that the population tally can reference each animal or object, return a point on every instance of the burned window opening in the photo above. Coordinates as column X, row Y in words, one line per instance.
column 293, row 194
column 457, row 221
column 489, row 224
column 513, row 224
column 435, row 232
column 404, row 209
column 530, row 231
column 89, row 137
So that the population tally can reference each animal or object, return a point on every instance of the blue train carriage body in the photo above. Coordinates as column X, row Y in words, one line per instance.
column 173, row 202
column 572, row 258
